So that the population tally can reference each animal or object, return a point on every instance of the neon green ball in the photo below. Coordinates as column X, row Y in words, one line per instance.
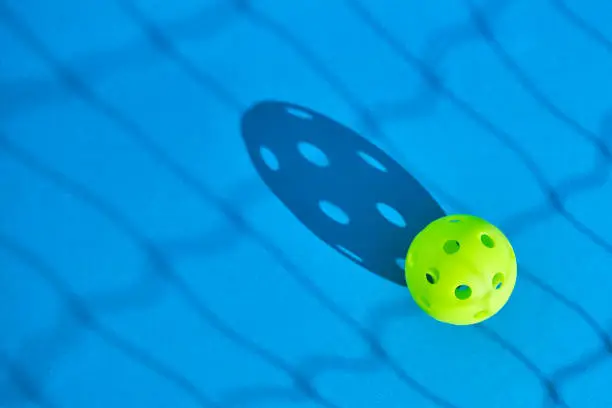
column 461, row 269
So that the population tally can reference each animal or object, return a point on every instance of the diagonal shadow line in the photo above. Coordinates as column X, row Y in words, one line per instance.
column 470, row 112
column 487, row 32
column 80, row 311
column 582, row 25
column 594, row 178
column 63, row 334
column 312, row 367
column 163, row 268
column 23, row 383
column 318, row 67
column 136, row 134
column 386, row 314
column 149, row 287
column 600, row 332
column 436, row 48
column 146, row 290
column 549, row 386
column 217, row 239
column 165, row 46
column 102, row 64
column 379, row 322
column 30, row 93
column 256, row 395
column 39, row 352
column 581, row 365
column 589, row 180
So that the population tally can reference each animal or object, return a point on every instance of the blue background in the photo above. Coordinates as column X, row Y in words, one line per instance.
column 143, row 262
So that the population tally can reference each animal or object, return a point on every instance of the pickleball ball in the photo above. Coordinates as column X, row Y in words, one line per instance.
column 461, row 269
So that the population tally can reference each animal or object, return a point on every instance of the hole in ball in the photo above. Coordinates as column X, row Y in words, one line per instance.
column 487, row 241
column 463, row 292
column 451, row 246
column 498, row 280
column 432, row 276
column 454, row 220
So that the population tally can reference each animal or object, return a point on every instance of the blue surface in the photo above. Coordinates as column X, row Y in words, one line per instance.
column 144, row 262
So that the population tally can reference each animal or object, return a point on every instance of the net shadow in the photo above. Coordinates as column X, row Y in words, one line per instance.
column 557, row 195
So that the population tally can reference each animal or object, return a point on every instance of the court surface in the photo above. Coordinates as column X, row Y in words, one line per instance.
column 206, row 203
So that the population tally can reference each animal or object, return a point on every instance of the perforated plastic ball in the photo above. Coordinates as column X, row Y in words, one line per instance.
column 461, row 269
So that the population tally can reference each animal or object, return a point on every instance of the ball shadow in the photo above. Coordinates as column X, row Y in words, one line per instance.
column 344, row 189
